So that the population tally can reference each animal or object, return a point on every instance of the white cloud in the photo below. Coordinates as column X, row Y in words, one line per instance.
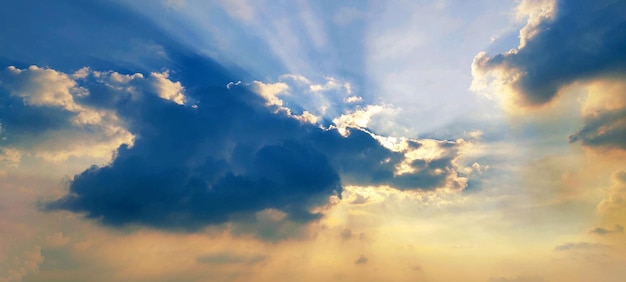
column 535, row 12
column 89, row 132
column 295, row 77
column 353, row 99
column 43, row 87
column 166, row 88
column 270, row 91
column 313, row 99
column 306, row 117
column 231, row 84
column 360, row 118
column 81, row 73
column 330, row 84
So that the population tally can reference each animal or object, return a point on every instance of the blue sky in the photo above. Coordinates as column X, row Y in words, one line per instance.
column 244, row 140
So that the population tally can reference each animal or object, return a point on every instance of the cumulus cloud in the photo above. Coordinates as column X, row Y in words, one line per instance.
column 353, row 99
column 359, row 118
column 322, row 97
column 232, row 158
column 42, row 87
column 270, row 91
column 562, row 42
column 166, row 88
column 43, row 116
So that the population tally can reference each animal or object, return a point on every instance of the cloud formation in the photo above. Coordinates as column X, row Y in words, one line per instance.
column 563, row 42
column 604, row 116
column 229, row 156
column 42, row 116
column 194, row 166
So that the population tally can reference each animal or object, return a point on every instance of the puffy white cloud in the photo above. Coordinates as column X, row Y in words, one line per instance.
column 359, row 118
column 306, row 117
column 52, row 123
column 166, row 88
column 353, row 99
column 72, row 113
column 42, row 87
column 536, row 12
column 270, row 91
column 315, row 101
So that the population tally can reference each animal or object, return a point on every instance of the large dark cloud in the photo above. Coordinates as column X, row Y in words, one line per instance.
column 228, row 159
column 584, row 40
column 195, row 166
column 222, row 157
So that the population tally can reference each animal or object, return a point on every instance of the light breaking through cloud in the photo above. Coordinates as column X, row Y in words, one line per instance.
column 312, row 140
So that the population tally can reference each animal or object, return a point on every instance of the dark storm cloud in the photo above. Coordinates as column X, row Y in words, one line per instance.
column 586, row 39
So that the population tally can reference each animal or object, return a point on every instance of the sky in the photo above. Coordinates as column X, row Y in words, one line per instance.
column 238, row 140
